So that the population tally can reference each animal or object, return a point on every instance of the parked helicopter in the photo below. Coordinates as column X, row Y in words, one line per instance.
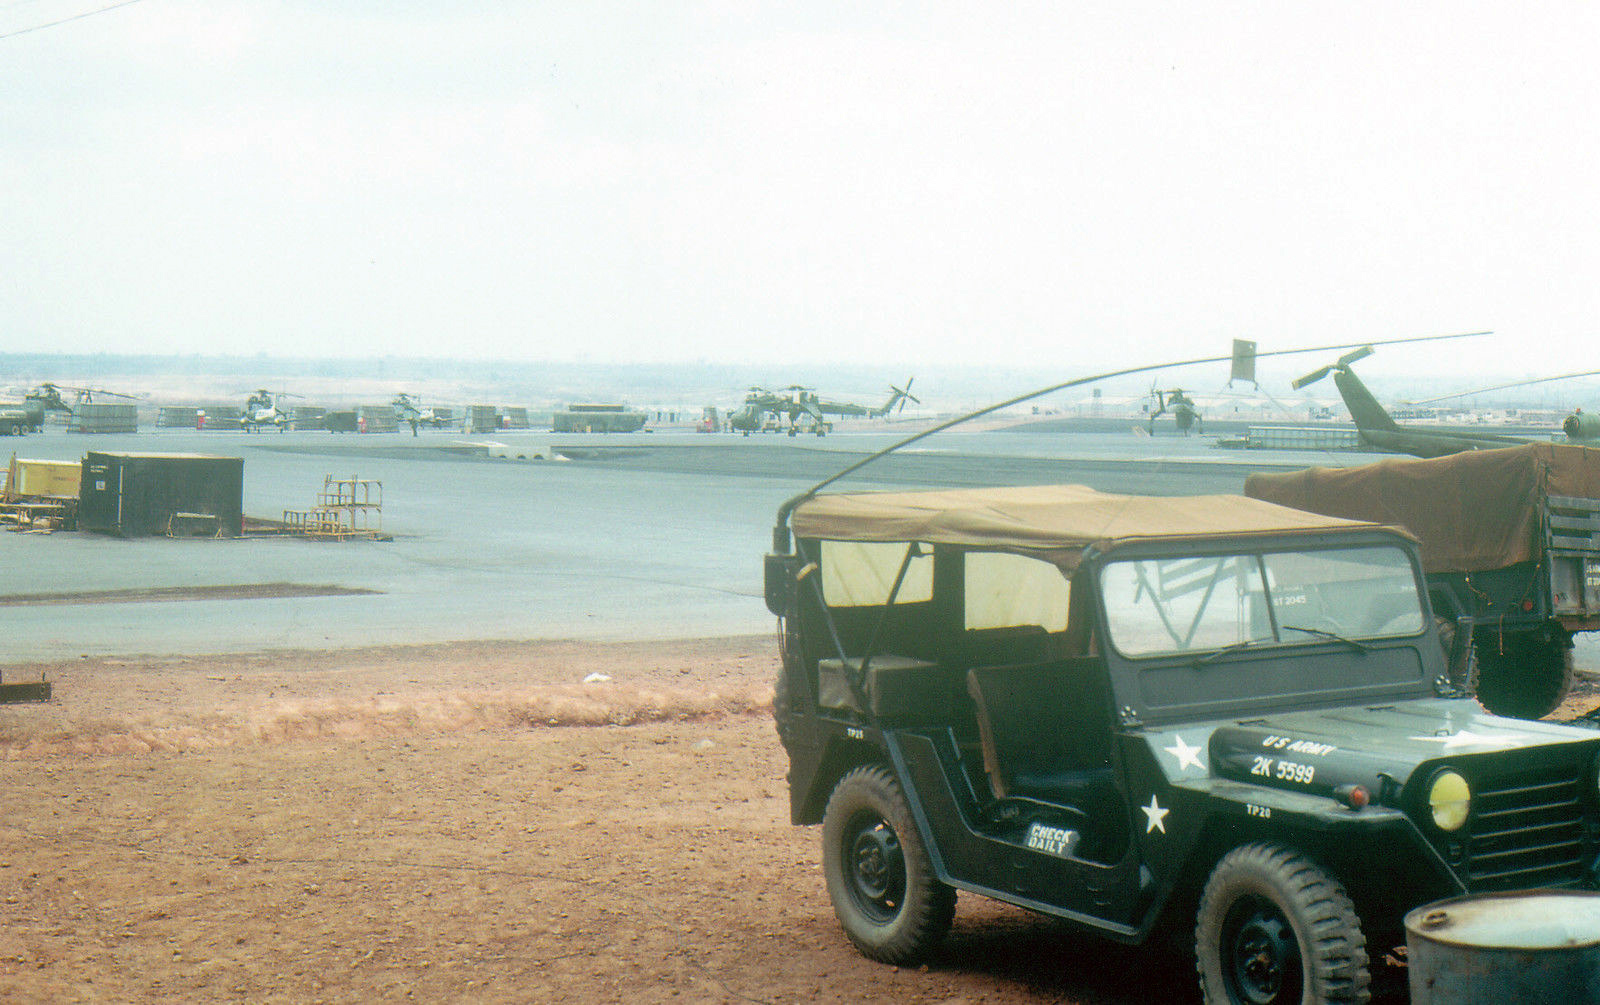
column 1380, row 430
column 411, row 412
column 47, row 398
column 44, row 398
column 1181, row 406
column 765, row 411
column 261, row 410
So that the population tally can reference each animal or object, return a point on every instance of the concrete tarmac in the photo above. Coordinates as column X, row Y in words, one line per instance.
column 638, row 536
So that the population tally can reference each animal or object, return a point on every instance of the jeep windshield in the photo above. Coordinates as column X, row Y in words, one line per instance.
column 1210, row 605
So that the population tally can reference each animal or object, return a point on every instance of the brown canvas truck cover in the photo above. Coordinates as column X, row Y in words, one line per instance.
column 1472, row 511
column 1059, row 520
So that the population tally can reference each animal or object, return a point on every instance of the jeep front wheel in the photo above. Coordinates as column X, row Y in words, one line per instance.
column 882, row 884
column 1275, row 927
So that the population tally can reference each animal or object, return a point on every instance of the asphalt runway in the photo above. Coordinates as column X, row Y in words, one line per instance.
column 639, row 536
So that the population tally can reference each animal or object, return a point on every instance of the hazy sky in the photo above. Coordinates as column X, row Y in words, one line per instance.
column 1068, row 184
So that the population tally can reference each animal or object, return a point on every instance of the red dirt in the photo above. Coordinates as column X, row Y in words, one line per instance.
column 456, row 822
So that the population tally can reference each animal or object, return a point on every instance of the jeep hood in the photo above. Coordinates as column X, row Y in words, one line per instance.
column 1320, row 751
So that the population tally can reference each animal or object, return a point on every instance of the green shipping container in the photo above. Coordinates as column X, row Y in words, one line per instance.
column 139, row 494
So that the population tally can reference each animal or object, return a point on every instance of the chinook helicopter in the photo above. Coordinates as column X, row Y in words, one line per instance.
column 1378, row 428
column 765, row 411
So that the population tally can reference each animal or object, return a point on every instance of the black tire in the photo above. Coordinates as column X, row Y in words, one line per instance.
column 889, row 902
column 1525, row 675
column 1275, row 927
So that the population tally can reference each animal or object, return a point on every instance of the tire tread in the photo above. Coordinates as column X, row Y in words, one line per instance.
column 1336, row 968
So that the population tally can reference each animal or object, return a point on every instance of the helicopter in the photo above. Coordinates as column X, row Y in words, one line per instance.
column 1378, row 428
column 410, row 410
column 47, row 398
column 261, row 410
column 1181, row 406
column 764, row 410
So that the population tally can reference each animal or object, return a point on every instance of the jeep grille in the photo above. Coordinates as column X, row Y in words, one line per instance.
column 1526, row 831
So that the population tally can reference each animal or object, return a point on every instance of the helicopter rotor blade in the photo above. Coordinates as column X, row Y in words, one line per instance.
column 1502, row 387
column 1351, row 357
column 1312, row 377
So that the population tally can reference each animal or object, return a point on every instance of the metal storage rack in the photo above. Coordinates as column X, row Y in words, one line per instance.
column 345, row 508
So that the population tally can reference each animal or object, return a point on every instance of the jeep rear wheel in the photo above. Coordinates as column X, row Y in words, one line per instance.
column 1523, row 675
column 882, row 884
column 1275, row 928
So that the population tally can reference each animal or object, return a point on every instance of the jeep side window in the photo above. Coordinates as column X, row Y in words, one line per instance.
column 1002, row 590
column 861, row 573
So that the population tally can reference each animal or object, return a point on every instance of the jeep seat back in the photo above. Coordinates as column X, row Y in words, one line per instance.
column 1044, row 728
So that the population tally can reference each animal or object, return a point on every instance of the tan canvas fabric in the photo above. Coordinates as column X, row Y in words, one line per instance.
column 1059, row 519
column 1472, row 511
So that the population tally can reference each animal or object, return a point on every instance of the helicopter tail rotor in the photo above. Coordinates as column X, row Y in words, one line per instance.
column 1342, row 363
column 1312, row 377
column 904, row 395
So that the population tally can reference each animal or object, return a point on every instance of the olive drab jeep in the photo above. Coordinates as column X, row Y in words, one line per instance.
column 1148, row 715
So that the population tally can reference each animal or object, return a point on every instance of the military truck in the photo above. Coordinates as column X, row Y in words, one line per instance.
column 1510, row 547
column 1211, row 719
column 15, row 420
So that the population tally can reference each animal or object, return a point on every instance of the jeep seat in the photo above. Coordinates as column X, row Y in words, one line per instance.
column 1045, row 733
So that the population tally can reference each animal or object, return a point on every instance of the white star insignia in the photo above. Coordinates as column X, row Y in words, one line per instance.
column 1155, row 815
column 1185, row 754
column 1467, row 738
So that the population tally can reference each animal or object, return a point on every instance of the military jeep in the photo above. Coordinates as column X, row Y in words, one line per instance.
column 1150, row 716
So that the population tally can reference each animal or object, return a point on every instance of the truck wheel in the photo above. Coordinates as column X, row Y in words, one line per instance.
column 889, row 902
column 1458, row 664
column 1275, row 927
column 1523, row 675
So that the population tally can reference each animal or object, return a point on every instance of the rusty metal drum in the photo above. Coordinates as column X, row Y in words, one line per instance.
column 1525, row 947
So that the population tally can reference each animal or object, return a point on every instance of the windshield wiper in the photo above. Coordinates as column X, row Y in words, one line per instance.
column 1229, row 650
column 1361, row 647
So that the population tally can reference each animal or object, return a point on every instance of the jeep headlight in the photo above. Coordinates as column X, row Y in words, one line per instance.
column 1450, row 799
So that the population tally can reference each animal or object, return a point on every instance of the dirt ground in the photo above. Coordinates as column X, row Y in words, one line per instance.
column 466, row 822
